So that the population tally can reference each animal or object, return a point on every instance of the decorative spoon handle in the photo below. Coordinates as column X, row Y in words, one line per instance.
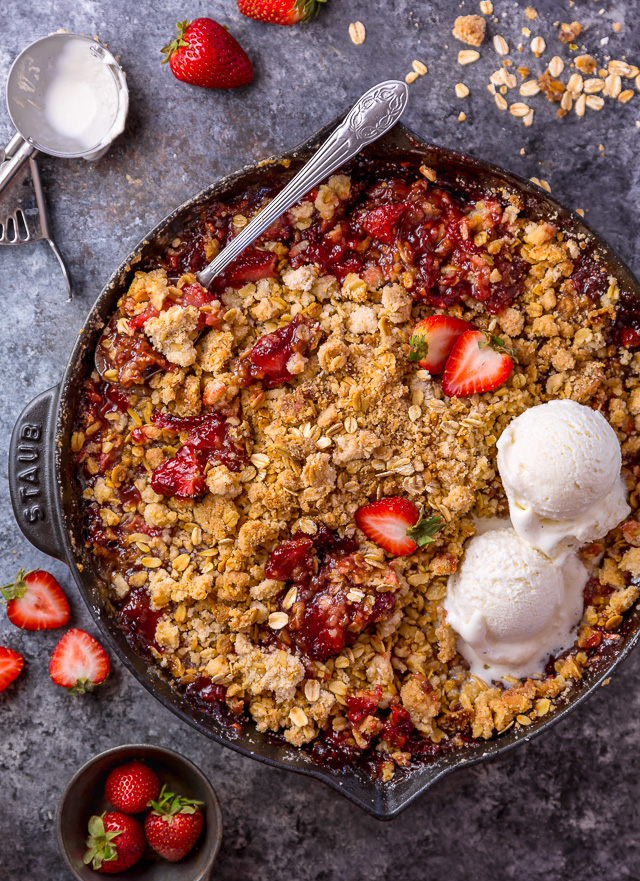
column 374, row 114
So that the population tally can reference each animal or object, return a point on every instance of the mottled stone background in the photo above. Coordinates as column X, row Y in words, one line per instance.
column 563, row 807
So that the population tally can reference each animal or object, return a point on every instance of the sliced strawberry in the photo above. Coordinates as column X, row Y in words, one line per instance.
column 78, row 662
column 380, row 222
column 478, row 363
column 35, row 601
column 433, row 339
column 181, row 476
column 251, row 265
column 11, row 664
column 397, row 525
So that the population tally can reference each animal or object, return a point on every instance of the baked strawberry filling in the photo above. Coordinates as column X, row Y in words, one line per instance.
column 277, row 357
column 281, row 473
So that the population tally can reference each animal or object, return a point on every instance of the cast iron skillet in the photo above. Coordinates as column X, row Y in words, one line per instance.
column 45, row 503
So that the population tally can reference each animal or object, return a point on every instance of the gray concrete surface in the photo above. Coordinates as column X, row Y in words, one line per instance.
column 564, row 807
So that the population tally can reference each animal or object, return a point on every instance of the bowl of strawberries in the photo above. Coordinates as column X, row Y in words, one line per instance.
column 141, row 810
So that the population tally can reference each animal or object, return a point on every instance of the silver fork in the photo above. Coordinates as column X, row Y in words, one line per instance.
column 23, row 212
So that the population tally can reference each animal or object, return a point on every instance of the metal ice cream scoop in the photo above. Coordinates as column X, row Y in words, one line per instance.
column 372, row 116
column 39, row 98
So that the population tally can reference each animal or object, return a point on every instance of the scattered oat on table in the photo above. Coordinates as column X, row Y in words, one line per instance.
column 500, row 45
column 468, row 56
column 357, row 32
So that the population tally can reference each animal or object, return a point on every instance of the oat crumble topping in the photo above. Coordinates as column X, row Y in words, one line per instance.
column 243, row 427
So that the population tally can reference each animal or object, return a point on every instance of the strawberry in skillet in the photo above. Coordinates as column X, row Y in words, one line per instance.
column 478, row 362
column 78, row 662
column 205, row 54
column 115, row 842
column 380, row 222
column 286, row 12
column 182, row 476
column 396, row 525
column 35, row 601
column 433, row 339
column 11, row 664
column 173, row 825
column 130, row 787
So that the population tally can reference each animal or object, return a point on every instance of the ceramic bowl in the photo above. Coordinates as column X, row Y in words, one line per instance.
column 84, row 797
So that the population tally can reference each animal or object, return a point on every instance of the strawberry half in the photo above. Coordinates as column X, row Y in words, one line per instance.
column 478, row 363
column 433, row 339
column 397, row 525
column 78, row 662
column 11, row 664
column 205, row 54
column 380, row 222
column 285, row 12
column 35, row 601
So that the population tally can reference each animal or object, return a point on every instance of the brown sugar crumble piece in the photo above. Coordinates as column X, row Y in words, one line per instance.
column 568, row 33
column 551, row 88
column 469, row 29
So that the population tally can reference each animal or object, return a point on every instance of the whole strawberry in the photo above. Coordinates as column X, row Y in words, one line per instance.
column 131, row 787
column 115, row 842
column 174, row 825
column 205, row 54
column 284, row 12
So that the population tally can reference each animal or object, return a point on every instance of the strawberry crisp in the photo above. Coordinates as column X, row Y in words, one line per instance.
column 280, row 473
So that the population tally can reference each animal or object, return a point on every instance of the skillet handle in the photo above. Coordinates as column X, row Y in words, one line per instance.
column 32, row 476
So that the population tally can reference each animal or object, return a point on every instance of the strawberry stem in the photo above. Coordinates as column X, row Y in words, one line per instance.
column 176, row 44
column 423, row 531
column 16, row 589
column 418, row 348
column 82, row 686
column 168, row 804
column 100, row 847
column 309, row 8
column 497, row 344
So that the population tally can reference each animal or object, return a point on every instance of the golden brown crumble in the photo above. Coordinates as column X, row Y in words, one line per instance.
column 357, row 422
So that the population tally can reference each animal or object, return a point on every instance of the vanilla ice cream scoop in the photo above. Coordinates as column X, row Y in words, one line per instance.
column 560, row 467
column 512, row 606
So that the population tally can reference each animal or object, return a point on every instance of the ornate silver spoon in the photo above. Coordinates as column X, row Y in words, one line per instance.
column 372, row 116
